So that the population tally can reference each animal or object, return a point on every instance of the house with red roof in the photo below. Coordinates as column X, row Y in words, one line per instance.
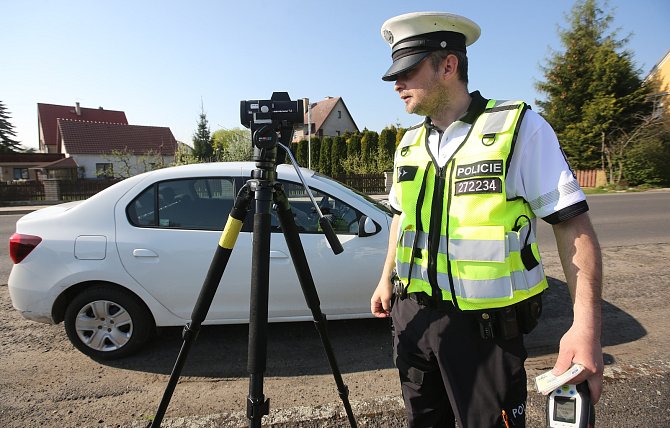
column 102, row 149
column 326, row 118
column 48, row 115
column 78, row 142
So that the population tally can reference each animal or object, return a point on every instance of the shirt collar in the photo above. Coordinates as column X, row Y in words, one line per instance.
column 476, row 107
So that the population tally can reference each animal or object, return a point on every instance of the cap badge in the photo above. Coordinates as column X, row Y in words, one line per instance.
column 443, row 44
column 388, row 36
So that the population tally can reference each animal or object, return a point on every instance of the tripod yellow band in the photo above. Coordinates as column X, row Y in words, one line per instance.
column 230, row 232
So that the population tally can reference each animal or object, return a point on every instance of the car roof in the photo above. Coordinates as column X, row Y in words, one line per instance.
column 242, row 169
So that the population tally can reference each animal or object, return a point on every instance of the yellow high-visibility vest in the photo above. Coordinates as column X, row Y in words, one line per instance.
column 460, row 236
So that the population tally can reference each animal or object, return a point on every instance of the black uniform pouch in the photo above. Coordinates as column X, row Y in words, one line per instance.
column 508, row 324
column 528, row 313
column 499, row 323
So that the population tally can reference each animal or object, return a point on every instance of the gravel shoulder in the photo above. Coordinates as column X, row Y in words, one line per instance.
column 45, row 382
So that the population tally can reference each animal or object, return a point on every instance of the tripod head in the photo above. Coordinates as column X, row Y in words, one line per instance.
column 271, row 122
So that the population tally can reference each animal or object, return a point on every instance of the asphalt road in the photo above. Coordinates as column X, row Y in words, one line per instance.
column 623, row 219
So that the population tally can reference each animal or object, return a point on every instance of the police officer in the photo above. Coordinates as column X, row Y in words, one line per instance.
column 469, row 183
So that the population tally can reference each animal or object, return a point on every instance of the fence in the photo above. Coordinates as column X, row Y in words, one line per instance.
column 78, row 190
column 52, row 190
column 591, row 177
column 371, row 184
column 26, row 191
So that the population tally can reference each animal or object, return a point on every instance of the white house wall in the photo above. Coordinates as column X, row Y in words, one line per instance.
column 335, row 124
column 88, row 163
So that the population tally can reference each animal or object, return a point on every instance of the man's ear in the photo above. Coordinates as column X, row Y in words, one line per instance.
column 449, row 66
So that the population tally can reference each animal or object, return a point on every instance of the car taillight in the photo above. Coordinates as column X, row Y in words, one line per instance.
column 21, row 245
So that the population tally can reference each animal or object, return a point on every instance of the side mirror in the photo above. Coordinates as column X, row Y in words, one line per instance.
column 367, row 227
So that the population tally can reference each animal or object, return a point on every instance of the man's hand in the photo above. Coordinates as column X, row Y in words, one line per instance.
column 380, row 303
column 583, row 348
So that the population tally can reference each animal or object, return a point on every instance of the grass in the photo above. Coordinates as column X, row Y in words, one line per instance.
column 618, row 189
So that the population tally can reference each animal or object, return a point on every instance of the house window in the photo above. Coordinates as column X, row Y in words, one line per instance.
column 339, row 114
column 104, row 170
column 21, row 174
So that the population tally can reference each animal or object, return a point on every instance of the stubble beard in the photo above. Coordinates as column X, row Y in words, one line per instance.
column 429, row 102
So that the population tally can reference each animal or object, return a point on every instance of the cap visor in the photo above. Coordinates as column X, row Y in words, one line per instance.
column 402, row 65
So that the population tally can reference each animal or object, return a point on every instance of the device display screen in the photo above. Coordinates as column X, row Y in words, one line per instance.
column 565, row 410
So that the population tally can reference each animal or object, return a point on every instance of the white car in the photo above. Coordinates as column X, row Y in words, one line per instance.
column 134, row 256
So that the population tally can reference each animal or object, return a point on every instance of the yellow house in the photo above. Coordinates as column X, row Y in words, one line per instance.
column 660, row 77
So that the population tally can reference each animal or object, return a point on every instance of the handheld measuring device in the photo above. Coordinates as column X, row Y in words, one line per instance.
column 569, row 406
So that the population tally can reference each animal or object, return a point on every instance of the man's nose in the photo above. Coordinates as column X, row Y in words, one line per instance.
column 399, row 85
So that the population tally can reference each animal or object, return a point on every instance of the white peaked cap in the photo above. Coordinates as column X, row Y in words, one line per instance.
column 413, row 36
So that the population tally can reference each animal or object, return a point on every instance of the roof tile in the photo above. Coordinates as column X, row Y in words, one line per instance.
column 48, row 114
column 81, row 137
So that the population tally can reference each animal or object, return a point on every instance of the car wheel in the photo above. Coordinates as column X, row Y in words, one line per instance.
column 107, row 322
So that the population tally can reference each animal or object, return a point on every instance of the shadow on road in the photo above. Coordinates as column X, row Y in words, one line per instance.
column 618, row 326
column 294, row 349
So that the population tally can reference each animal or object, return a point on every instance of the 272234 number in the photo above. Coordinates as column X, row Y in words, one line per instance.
column 478, row 185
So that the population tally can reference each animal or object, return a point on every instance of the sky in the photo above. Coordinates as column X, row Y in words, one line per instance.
column 162, row 62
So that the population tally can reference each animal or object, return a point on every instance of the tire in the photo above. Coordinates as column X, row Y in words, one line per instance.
column 107, row 322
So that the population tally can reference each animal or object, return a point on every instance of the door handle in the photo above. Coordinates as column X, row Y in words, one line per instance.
column 142, row 252
column 274, row 254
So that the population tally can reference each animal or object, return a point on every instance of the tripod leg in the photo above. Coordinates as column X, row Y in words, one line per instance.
column 257, row 405
column 209, row 287
column 297, row 251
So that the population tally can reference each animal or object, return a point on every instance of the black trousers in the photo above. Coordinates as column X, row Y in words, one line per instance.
column 449, row 373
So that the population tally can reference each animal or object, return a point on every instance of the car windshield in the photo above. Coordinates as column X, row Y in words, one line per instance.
column 359, row 195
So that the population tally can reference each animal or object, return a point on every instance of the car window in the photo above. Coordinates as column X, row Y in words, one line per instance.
column 142, row 210
column 343, row 217
column 380, row 204
column 192, row 203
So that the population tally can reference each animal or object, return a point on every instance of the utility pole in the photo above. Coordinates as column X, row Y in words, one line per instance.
column 309, row 133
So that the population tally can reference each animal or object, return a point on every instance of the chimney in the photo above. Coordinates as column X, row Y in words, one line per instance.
column 77, row 109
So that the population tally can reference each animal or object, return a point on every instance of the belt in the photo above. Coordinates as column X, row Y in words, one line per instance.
column 506, row 322
column 424, row 299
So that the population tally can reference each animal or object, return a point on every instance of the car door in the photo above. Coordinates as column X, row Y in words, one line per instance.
column 167, row 235
column 171, row 229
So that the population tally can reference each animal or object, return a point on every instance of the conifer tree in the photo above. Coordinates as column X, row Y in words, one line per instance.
column 316, row 152
column 324, row 156
column 354, row 145
column 592, row 87
column 338, row 153
column 7, row 142
column 301, row 153
column 203, row 148
column 386, row 148
column 369, row 141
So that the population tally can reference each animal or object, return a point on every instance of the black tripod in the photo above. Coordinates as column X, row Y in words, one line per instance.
column 264, row 189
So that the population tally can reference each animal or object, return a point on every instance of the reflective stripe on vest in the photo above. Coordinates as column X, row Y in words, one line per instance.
column 476, row 259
